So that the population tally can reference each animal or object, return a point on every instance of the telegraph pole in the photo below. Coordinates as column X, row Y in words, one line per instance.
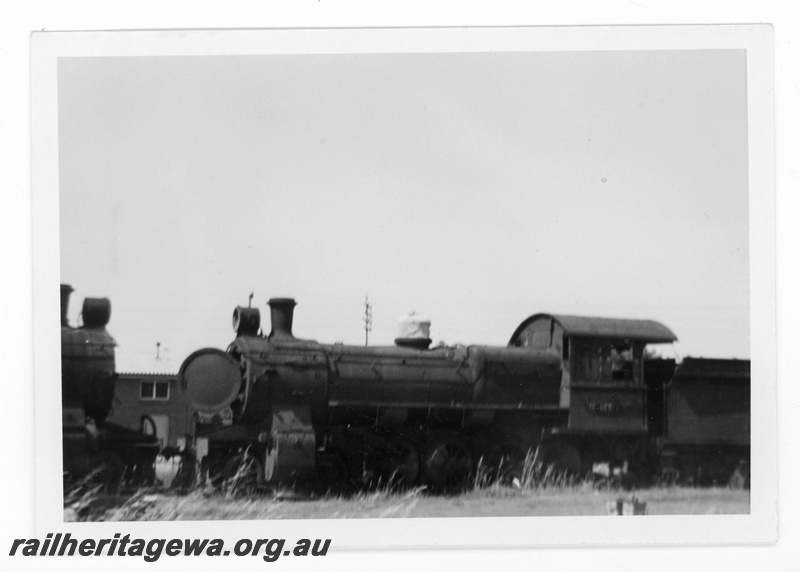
column 367, row 319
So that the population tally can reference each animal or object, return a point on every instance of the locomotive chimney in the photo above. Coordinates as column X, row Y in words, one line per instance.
column 282, row 314
column 66, row 290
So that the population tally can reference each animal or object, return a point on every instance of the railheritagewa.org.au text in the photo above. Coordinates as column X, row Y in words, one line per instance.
column 65, row 545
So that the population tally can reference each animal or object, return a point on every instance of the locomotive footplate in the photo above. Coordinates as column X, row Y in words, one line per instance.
column 292, row 452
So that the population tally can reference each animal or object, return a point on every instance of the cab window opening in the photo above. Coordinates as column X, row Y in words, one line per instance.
column 621, row 362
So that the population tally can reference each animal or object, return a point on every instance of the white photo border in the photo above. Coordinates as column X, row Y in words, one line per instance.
column 760, row 526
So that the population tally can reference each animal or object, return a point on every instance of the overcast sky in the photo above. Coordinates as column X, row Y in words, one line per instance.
column 476, row 189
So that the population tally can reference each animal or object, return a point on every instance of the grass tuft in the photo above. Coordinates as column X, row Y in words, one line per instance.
column 530, row 476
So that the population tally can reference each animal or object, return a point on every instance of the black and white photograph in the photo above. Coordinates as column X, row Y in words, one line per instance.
column 375, row 283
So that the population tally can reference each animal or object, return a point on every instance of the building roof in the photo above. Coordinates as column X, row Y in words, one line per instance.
column 648, row 331
column 145, row 363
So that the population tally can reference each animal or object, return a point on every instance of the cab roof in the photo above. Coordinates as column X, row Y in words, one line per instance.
column 648, row 331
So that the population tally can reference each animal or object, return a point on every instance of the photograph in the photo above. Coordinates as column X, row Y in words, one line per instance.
column 392, row 277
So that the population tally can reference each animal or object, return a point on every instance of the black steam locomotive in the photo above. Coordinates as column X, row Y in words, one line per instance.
column 92, row 446
column 578, row 391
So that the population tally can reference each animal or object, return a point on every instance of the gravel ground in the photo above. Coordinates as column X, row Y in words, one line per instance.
column 416, row 504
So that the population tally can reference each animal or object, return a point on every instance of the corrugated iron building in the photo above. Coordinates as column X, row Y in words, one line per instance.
column 148, row 387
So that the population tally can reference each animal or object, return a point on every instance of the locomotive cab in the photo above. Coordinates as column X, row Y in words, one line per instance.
column 603, row 394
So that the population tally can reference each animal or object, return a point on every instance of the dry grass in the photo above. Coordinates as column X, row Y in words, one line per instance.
column 530, row 490
column 493, row 501
column 532, row 475
column 415, row 503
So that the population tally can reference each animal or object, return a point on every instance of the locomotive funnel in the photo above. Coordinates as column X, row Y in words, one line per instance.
column 282, row 314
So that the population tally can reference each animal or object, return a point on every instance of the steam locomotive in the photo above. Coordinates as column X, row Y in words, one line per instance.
column 578, row 391
column 92, row 446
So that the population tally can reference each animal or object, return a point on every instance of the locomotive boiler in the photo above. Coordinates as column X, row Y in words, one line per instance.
column 576, row 390
column 92, row 445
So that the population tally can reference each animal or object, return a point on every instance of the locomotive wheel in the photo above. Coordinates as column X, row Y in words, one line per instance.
column 395, row 461
column 241, row 473
column 186, row 475
column 447, row 463
column 403, row 462
column 108, row 468
column 332, row 469
column 144, row 470
column 506, row 461
column 563, row 458
column 211, row 469
column 621, row 451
